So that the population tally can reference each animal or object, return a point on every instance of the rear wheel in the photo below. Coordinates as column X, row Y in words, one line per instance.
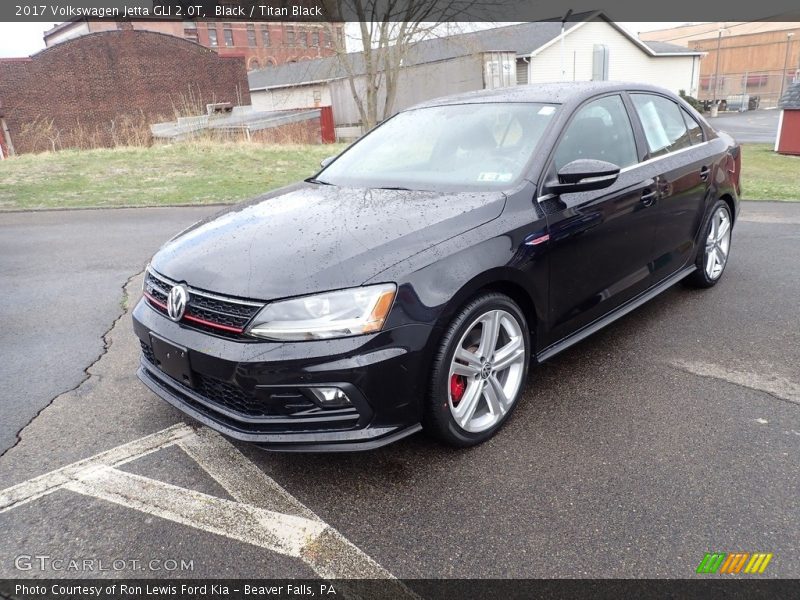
column 479, row 371
column 713, row 256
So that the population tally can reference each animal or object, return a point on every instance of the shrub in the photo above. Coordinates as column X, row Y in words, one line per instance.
column 691, row 100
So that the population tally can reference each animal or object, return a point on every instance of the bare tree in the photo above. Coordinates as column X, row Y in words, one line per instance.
column 388, row 31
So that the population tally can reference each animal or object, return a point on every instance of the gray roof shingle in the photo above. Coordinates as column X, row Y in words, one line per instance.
column 667, row 48
column 791, row 97
column 523, row 39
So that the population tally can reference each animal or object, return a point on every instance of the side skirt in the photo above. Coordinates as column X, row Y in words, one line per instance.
column 615, row 314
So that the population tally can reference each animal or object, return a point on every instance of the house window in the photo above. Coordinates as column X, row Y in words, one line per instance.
column 600, row 62
column 522, row 72
column 212, row 37
column 290, row 36
column 315, row 39
column 265, row 36
column 227, row 31
column 327, row 38
column 302, row 35
column 190, row 31
column 251, row 35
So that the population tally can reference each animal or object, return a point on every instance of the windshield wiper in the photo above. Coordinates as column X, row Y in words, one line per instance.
column 397, row 188
column 319, row 181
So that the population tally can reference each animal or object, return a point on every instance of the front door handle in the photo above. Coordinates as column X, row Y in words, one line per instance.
column 704, row 171
column 648, row 197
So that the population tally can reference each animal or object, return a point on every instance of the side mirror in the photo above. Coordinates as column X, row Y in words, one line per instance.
column 584, row 175
column 326, row 161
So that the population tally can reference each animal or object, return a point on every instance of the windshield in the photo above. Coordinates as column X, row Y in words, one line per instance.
column 469, row 146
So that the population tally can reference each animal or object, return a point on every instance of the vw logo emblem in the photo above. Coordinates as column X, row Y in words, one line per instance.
column 486, row 370
column 176, row 302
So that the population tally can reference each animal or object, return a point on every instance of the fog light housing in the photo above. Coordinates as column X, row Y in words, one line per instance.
column 330, row 397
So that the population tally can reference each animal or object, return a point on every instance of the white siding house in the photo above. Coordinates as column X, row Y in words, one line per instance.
column 628, row 59
column 527, row 53
column 312, row 95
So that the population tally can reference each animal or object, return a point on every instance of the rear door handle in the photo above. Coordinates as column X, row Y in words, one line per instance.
column 704, row 171
column 648, row 197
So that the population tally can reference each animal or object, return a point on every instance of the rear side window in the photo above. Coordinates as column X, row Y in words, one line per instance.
column 695, row 131
column 663, row 124
column 600, row 130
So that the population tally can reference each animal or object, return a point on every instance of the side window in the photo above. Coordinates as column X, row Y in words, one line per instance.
column 663, row 123
column 695, row 131
column 600, row 130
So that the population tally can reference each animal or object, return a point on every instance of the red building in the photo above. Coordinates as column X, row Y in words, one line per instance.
column 101, row 89
column 261, row 43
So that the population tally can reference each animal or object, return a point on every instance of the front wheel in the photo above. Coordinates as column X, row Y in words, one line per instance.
column 712, row 258
column 479, row 371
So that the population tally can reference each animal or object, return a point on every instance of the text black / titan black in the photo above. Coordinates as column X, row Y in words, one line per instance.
column 413, row 280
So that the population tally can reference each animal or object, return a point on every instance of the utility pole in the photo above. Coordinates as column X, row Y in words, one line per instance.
column 563, row 68
column 785, row 62
column 716, row 70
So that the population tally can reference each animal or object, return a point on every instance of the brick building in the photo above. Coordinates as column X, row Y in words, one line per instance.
column 97, row 88
column 261, row 43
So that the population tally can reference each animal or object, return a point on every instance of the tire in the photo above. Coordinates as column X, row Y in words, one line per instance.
column 710, row 268
column 482, row 393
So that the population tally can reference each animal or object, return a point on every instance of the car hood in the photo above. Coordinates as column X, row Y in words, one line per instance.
column 309, row 238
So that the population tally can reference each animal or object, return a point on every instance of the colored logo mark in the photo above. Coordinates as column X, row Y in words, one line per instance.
column 734, row 562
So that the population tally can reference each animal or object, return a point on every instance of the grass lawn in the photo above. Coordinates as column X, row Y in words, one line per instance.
column 191, row 173
column 767, row 175
column 205, row 173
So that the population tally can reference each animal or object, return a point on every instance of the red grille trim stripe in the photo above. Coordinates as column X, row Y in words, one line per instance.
column 212, row 324
column 197, row 319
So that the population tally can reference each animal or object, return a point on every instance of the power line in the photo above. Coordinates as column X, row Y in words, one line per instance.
column 715, row 27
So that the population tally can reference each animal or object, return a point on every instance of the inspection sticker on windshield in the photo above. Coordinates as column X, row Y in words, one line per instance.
column 547, row 110
column 493, row 176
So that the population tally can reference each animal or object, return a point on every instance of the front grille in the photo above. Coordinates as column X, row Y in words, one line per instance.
column 278, row 403
column 205, row 311
column 232, row 397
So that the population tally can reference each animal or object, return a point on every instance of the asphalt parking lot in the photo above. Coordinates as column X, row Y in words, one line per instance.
column 753, row 126
column 674, row 432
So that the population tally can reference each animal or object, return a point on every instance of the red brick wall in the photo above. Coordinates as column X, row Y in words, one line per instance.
column 95, row 86
column 308, row 40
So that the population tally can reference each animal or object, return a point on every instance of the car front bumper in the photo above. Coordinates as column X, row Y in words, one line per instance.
column 257, row 391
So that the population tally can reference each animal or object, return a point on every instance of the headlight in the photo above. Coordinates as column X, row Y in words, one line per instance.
column 330, row 315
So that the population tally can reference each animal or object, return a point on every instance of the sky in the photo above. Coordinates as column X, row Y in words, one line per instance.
column 21, row 39
column 24, row 39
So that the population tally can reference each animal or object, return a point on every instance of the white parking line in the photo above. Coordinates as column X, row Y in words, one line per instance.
column 284, row 534
column 238, row 476
column 262, row 513
column 53, row 481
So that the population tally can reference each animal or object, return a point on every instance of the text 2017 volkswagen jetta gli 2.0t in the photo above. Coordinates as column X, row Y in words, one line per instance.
column 412, row 281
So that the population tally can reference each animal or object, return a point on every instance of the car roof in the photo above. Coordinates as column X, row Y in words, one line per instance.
column 560, row 92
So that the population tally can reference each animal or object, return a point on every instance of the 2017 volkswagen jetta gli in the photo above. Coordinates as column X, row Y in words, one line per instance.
column 412, row 281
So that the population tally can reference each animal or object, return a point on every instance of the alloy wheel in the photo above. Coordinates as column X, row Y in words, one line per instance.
column 718, row 243
column 486, row 371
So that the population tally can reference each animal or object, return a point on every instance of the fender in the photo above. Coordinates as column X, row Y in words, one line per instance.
column 433, row 288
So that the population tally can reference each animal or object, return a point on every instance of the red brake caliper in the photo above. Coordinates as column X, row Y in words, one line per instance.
column 458, row 384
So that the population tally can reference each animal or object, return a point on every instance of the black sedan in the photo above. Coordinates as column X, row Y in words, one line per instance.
column 413, row 280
